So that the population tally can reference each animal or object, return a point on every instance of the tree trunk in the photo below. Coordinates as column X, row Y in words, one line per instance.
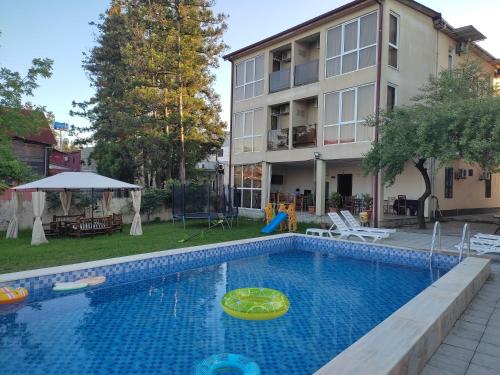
column 182, row 156
column 421, row 201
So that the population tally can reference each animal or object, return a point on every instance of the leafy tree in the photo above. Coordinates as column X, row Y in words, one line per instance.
column 456, row 116
column 18, row 117
column 154, row 97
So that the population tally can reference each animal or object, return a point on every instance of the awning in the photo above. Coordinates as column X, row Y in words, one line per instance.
column 76, row 181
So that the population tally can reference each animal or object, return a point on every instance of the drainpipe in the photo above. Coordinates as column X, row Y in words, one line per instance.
column 377, row 106
column 230, row 134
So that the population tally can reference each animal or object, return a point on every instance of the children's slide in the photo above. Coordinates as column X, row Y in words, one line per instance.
column 271, row 227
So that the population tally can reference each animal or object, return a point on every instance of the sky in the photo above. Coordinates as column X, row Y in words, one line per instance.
column 60, row 30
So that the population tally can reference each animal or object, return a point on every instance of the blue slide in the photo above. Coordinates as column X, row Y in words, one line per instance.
column 271, row 227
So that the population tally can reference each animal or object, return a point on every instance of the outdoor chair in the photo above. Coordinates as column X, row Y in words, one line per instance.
column 401, row 205
column 483, row 244
column 355, row 225
column 117, row 222
column 346, row 232
column 347, row 203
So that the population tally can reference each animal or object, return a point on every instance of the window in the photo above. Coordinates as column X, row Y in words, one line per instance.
column 245, row 135
column 248, row 185
column 249, row 78
column 448, row 183
column 351, row 46
column 220, row 153
column 391, row 97
column 393, row 40
column 450, row 62
column 487, row 188
column 344, row 114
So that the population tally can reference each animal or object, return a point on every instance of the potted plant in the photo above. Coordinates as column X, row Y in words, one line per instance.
column 335, row 201
column 367, row 204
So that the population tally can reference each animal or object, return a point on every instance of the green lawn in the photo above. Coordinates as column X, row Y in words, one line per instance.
column 19, row 255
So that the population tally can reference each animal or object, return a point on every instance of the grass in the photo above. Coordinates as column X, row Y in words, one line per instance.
column 19, row 255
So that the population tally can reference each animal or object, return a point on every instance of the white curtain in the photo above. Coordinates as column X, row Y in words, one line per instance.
column 136, row 228
column 65, row 198
column 107, row 197
column 12, row 229
column 38, row 235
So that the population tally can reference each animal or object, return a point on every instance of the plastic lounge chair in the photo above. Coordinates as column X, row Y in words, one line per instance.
column 354, row 224
column 483, row 246
column 346, row 232
column 483, row 236
column 319, row 232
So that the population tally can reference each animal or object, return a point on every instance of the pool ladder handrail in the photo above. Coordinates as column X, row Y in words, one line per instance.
column 465, row 232
column 437, row 230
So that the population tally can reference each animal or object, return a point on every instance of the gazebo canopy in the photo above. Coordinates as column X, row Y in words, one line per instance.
column 76, row 181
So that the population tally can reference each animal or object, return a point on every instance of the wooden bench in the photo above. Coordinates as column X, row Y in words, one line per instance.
column 88, row 226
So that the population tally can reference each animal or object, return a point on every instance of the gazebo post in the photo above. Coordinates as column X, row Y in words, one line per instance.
column 92, row 209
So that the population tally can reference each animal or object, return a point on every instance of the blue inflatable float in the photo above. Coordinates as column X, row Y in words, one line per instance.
column 219, row 363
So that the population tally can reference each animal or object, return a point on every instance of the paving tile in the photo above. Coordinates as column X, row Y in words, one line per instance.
column 488, row 361
column 461, row 342
column 471, row 334
column 478, row 370
column 478, row 306
column 469, row 325
column 487, row 348
column 451, row 364
column 455, row 352
column 494, row 322
column 491, row 338
column 431, row 370
column 474, row 318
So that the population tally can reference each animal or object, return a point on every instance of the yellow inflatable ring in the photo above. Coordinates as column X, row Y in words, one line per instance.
column 255, row 303
column 10, row 295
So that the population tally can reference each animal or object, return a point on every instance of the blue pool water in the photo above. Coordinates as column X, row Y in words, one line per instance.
column 167, row 325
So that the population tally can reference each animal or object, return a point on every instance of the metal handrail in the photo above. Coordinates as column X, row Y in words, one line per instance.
column 437, row 229
column 465, row 231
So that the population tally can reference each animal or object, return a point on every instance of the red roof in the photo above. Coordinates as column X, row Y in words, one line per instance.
column 44, row 136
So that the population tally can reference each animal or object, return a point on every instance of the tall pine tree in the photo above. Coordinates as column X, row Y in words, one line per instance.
column 155, row 108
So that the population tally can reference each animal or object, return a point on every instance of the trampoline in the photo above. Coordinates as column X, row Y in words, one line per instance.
column 203, row 202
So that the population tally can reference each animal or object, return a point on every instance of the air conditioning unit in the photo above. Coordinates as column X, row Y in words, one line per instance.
column 284, row 109
column 286, row 55
column 461, row 174
column 485, row 176
column 220, row 169
column 462, row 47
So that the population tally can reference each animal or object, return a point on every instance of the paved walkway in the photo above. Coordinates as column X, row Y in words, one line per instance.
column 473, row 345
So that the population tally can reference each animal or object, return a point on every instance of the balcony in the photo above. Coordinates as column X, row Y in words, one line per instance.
column 304, row 136
column 279, row 80
column 306, row 73
column 277, row 140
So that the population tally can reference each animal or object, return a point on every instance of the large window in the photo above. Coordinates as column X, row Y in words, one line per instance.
column 487, row 188
column 246, row 133
column 351, row 46
column 249, row 78
column 448, row 183
column 393, row 40
column 344, row 115
column 247, row 185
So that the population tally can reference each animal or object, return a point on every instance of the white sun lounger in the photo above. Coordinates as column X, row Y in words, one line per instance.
column 346, row 232
column 354, row 224
column 483, row 245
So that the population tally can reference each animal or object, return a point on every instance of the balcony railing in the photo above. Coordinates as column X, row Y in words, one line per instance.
column 304, row 136
column 306, row 73
column 277, row 139
column 279, row 80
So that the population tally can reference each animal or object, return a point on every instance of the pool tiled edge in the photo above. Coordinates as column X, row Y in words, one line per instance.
column 406, row 340
column 158, row 263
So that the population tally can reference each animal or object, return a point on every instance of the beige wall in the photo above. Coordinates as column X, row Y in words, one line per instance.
column 469, row 192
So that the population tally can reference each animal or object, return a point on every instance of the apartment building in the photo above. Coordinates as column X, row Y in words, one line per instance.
column 300, row 97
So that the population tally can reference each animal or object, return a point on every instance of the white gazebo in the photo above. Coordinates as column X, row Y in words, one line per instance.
column 65, row 183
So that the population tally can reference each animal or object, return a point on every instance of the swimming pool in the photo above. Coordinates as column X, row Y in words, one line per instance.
column 168, row 323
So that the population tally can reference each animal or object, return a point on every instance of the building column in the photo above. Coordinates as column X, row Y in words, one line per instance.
column 265, row 183
column 320, row 179
column 381, row 194
column 290, row 126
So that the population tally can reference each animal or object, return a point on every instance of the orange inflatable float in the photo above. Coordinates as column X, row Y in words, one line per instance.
column 10, row 295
